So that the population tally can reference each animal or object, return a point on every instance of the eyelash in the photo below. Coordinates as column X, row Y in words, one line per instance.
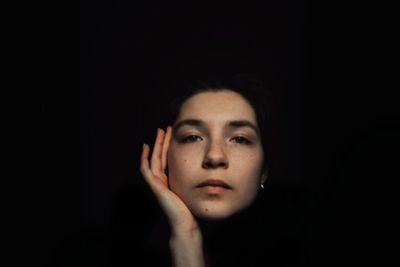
column 195, row 138
column 241, row 140
column 189, row 139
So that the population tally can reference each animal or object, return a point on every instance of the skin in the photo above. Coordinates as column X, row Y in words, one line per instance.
column 218, row 150
column 222, row 144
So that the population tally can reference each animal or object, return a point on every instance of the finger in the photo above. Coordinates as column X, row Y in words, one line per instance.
column 147, row 172
column 144, row 163
column 156, row 155
column 167, row 140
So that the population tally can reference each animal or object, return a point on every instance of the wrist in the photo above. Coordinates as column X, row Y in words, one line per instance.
column 187, row 248
column 182, row 235
column 184, row 229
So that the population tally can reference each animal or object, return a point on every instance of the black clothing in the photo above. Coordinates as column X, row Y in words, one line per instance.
column 268, row 233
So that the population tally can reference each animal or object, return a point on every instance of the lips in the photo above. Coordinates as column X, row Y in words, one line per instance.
column 214, row 183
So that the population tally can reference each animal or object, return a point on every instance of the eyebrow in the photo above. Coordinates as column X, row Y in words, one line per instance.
column 243, row 123
column 188, row 122
column 231, row 124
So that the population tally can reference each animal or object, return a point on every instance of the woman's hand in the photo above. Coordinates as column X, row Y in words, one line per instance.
column 179, row 216
column 186, row 239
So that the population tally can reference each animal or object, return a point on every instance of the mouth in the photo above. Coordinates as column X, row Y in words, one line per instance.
column 214, row 183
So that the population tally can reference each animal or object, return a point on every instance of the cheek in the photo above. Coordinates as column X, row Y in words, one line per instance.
column 250, row 161
column 250, row 168
column 180, row 164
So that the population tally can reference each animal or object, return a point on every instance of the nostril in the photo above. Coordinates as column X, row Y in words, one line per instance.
column 211, row 164
column 207, row 165
column 222, row 164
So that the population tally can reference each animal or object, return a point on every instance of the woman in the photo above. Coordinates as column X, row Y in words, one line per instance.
column 208, row 167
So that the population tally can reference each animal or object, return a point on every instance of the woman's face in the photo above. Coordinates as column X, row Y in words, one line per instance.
column 215, row 158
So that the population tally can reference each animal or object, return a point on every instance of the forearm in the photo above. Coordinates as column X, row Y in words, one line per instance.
column 186, row 249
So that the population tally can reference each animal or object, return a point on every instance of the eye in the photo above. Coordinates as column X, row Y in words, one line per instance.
column 191, row 139
column 241, row 140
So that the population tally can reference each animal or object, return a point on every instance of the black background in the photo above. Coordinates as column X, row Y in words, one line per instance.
column 336, row 135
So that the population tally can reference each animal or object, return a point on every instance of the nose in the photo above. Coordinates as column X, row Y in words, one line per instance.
column 215, row 157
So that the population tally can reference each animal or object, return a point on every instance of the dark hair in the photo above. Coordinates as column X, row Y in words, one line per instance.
column 247, row 85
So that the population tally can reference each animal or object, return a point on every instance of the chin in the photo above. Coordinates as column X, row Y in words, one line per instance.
column 213, row 214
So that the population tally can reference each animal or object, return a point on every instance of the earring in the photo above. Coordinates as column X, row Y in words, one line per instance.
column 263, row 178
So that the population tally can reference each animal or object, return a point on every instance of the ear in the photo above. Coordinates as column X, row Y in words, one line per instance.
column 264, row 176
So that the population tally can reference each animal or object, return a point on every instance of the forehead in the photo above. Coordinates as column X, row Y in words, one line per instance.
column 219, row 105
